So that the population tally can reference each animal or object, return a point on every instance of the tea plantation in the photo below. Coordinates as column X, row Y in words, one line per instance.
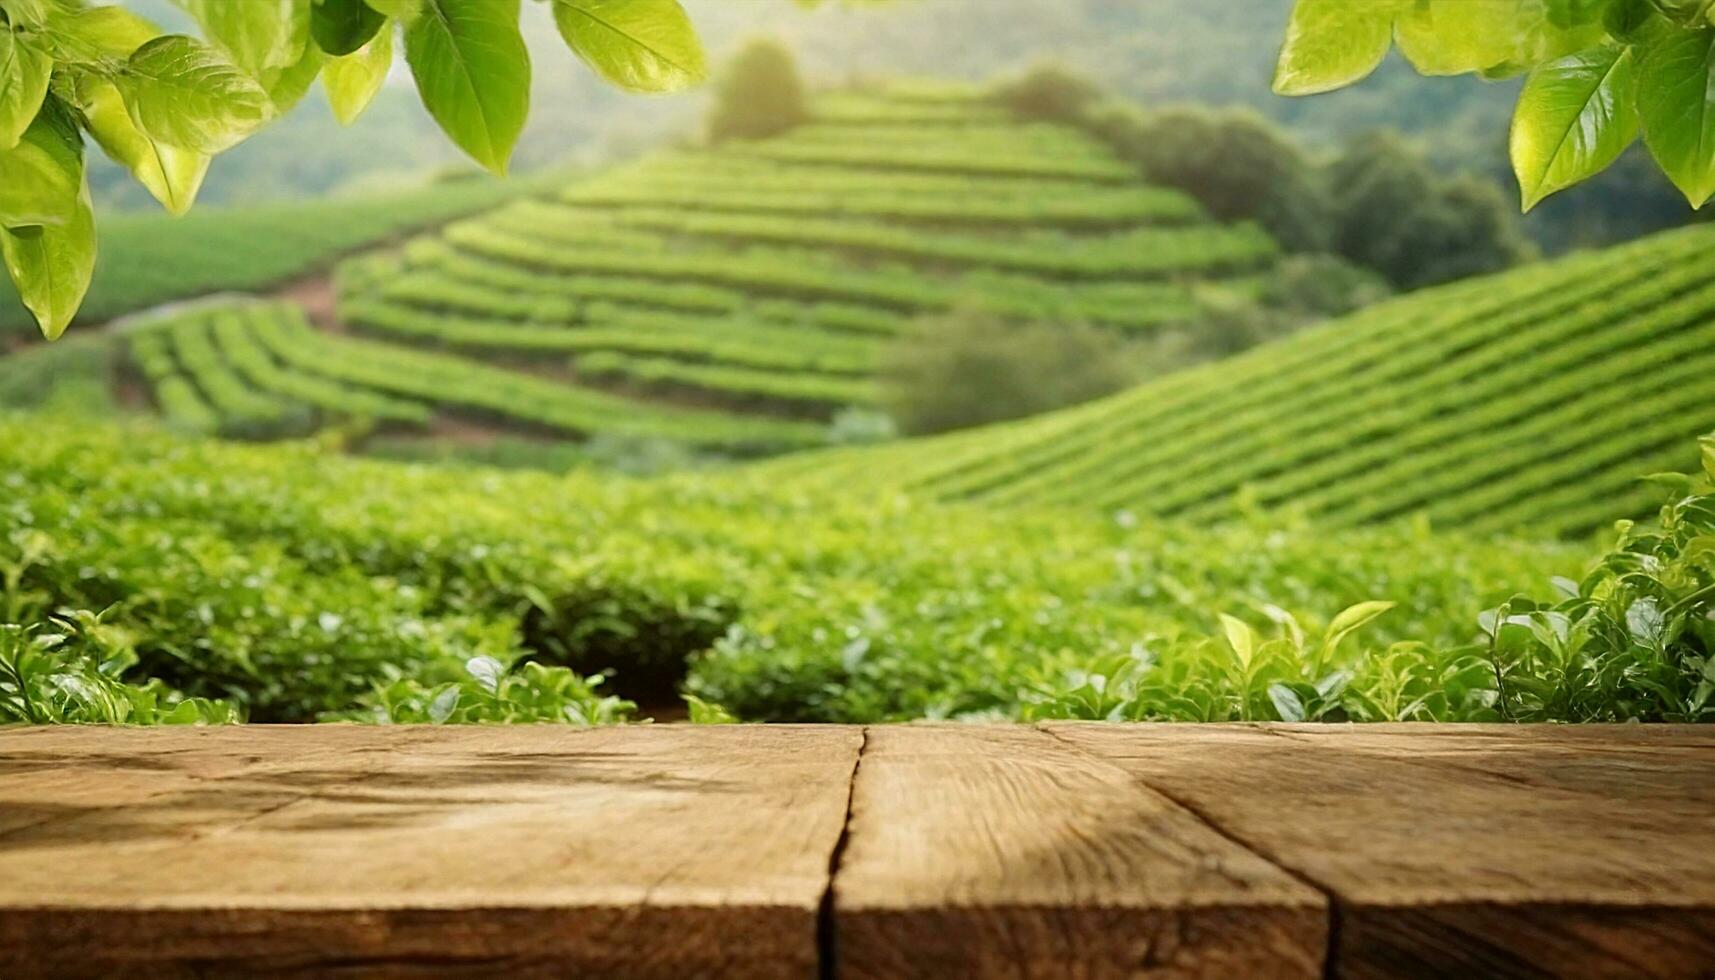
column 1533, row 399
column 149, row 259
column 733, row 299
column 297, row 585
column 1239, row 540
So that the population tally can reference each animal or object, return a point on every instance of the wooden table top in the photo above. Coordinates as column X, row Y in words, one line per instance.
column 1065, row 850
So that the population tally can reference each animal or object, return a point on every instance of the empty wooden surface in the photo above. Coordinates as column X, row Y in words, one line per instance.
column 669, row 852
column 1467, row 851
column 1081, row 851
column 1007, row 852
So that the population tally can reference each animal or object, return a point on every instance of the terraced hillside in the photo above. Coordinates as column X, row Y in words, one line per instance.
column 1536, row 398
column 152, row 258
column 734, row 300
column 261, row 371
column 764, row 279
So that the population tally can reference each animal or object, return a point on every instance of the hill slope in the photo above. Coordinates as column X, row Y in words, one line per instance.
column 737, row 298
column 153, row 258
column 1536, row 398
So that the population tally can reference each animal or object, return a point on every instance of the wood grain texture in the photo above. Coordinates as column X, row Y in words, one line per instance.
column 1003, row 852
column 334, row 851
column 1468, row 850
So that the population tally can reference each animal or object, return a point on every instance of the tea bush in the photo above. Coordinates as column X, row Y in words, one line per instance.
column 295, row 585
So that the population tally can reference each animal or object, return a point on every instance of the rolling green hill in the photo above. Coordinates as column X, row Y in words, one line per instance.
column 734, row 299
column 154, row 258
column 1535, row 398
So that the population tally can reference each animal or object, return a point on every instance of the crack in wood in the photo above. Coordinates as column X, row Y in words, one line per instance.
column 827, row 926
column 1330, row 966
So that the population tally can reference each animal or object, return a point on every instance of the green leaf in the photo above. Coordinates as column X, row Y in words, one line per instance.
column 101, row 33
column 52, row 267
column 340, row 27
column 1573, row 13
column 1451, row 37
column 643, row 47
column 41, row 177
column 180, row 92
column 1286, row 702
column 473, row 73
column 1333, row 43
column 1241, row 638
column 1351, row 619
column 443, row 704
column 403, row 11
column 1677, row 101
column 24, row 73
column 287, row 86
column 28, row 13
column 486, row 670
column 1574, row 118
column 256, row 35
column 353, row 81
column 172, row 175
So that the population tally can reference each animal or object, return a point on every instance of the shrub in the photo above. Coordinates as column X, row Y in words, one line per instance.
column 1236, row 163
column 1395, row 216
column 971, row 367
column 1049, row 93
column 1635, row 639
column 1317, row 286
column 760, row 95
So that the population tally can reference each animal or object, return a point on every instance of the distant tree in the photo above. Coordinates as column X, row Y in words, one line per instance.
column 759, row 95
column 1301, row 290
column 1049, row 93
column 1313, row 287
column 971, row 367
column 1236, row 163
column 1394, row 215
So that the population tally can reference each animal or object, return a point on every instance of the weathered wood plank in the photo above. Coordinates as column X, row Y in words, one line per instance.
column 1002, row 852
column 1467, row 851
column 668, row 852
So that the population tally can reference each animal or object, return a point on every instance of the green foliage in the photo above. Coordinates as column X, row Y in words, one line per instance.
column 491, row 694
column 74, row 377
column 1235, row 163
column 67, row 670
column 746, row 300
column 969, row 368
column 642, row 47
column 1632, row 640
column 1436, row 230
column 1600, row 72
column 473, row 73
column 1379, row 205
column 1318, row 286
column 1532, row 399
column 148, row 260
column 1049, row 93
column 163, row 104
column 300, row 585
column 759, row 95
column 1576, row 116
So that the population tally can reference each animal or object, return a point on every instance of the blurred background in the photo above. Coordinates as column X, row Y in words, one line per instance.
column 1153, row 54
